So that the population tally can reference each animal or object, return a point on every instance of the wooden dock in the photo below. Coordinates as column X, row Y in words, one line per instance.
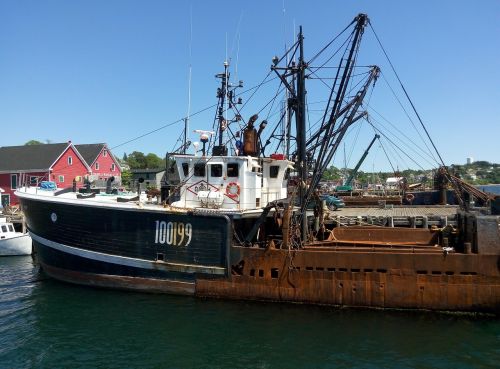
column 16, row 217
column 396, row 216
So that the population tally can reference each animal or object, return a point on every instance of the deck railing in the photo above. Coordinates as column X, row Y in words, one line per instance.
column 27, row 180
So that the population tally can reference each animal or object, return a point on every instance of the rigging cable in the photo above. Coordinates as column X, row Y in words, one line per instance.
column 192, row 115
column 341, row 47
column 408, row 116
column 332, row 41
column 396, row 146
column 327, row 126
column 162, row 127
column 407, row 96
column 385, row 152
column 186, row 133
column 356, row 136
column 236, row 40
column 410, row 141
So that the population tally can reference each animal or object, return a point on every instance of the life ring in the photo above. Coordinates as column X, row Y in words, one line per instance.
column 410, row 197
column 233, row 189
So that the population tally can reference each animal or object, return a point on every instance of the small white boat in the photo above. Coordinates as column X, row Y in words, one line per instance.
column 12, row 242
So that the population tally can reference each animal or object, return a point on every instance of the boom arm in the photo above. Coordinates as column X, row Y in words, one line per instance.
column 347, row 184
column 355, row 170
column 333, row 141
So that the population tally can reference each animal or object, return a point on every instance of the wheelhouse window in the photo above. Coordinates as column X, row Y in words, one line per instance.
column 274, row 171
column 96, row 166
column 216, row 170
column 70, row 160
column 185, row 169
column 232, row 169
column 11, row 228
column 13, row 181
column 199, row 170
column 61, row 179
column 4, row 229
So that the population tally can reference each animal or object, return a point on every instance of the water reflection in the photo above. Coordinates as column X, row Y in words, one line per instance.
column 47, row 324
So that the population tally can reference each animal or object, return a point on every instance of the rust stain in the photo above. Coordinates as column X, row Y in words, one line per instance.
column 349, row 278
column 120, row 282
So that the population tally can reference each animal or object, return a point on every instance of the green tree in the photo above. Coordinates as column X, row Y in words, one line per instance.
column 126, row 177
column 331, row 174
column 33, row 142
column 137, row 160
column 481, row 164
column 153, row 161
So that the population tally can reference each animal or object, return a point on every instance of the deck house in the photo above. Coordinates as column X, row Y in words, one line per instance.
column 150, row 178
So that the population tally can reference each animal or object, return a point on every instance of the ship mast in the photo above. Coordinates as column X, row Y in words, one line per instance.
column 218, row 148
column 300, row 122
column 222, row 101
column 321, row 145
column 226, row 95
column 297, row 103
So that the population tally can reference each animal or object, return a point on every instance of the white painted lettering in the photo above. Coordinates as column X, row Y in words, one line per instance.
column 173, row 233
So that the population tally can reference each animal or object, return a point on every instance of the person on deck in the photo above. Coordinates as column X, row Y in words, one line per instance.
column 238, row 144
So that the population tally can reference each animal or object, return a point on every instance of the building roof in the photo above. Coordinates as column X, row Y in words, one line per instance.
column 30, row 157
column 90, row 152
column 147, row 170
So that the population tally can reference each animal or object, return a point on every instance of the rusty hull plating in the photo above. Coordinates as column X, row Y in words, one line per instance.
column 373, row 268
column 365, row 277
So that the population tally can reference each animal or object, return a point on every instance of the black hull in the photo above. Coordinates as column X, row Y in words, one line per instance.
column 133, row 249
column 88, row 272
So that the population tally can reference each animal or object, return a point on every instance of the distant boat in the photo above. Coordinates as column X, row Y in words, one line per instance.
column 12, row 242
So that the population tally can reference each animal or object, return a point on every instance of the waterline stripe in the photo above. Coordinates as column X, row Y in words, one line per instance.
column 127, row 261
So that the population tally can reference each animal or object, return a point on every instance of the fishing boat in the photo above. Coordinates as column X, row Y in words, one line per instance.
column 13, row 243
column 231, row 225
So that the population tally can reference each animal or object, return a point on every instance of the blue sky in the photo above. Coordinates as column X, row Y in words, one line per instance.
column 110, row 71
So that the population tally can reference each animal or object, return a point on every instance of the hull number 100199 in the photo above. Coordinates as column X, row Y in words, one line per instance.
column 173, row 233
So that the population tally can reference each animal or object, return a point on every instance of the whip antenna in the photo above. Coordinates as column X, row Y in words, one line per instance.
column 186, row 120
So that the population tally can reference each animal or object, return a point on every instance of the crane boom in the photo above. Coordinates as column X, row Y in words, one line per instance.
column 347, row 184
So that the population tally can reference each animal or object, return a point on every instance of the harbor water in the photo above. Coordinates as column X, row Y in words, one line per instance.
column 494, row 188
column 48, row 324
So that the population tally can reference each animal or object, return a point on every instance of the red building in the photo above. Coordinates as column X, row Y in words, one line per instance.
column 101, row 161
column 60, row 163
